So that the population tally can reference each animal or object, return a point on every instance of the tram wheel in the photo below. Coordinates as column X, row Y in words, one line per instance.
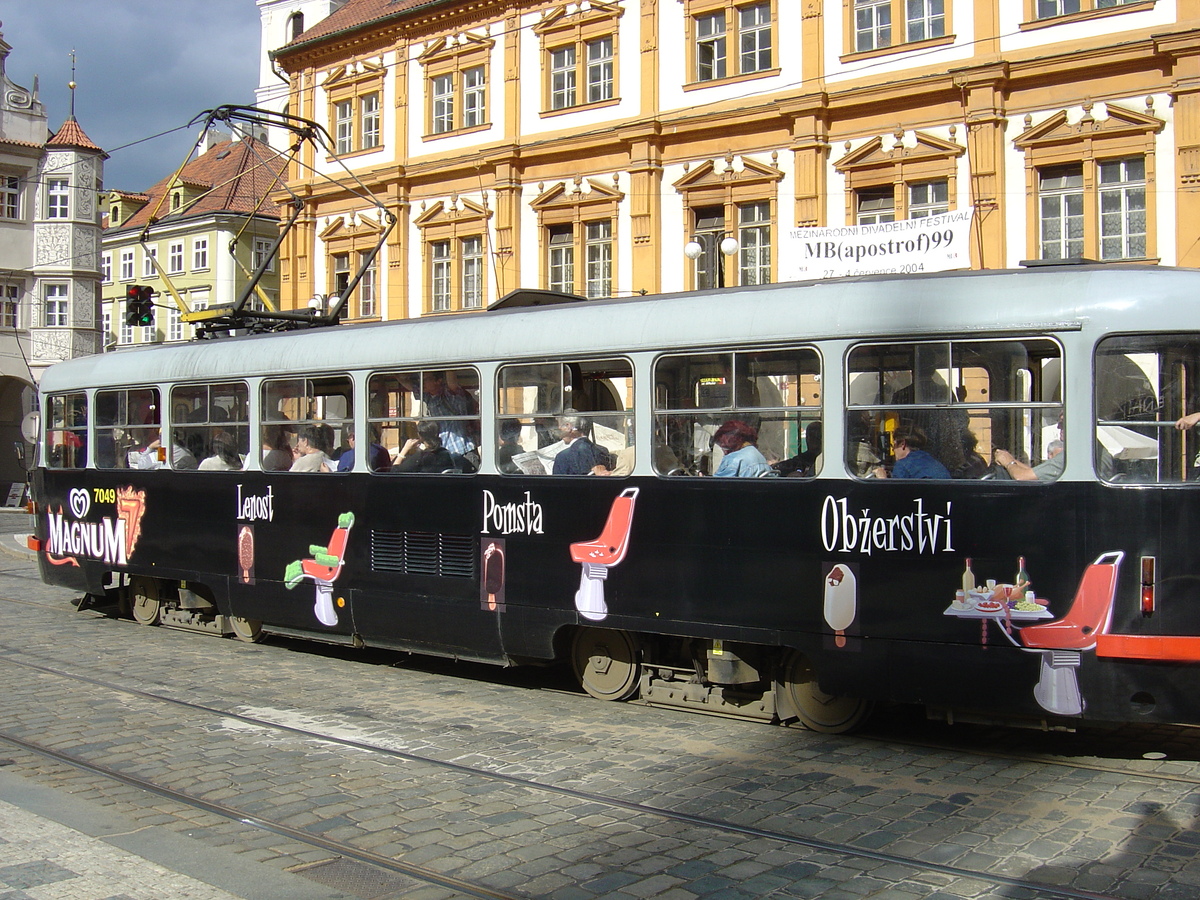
column 248, row 630
column 145, row 602
column 799, row 695
column 606, row 662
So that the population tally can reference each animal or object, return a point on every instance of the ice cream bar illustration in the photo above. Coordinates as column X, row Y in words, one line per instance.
column 245, row 552
column 493, row 573
column 841, row 601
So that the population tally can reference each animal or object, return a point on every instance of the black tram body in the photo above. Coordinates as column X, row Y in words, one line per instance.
column 725, row 593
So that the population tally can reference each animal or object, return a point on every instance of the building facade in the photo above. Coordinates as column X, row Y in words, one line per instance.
column 583, row 145
column 194, row 238
column 49, row 254
column 283, row 21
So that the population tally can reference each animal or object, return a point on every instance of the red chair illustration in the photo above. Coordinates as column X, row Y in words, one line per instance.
column 600, row 555
column 1063, row 641
column 323, row 569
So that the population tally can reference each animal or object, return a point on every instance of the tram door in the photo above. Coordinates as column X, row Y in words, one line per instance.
column 1144, row 385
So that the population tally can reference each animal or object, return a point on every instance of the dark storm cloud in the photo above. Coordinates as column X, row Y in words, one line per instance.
column 142, row 67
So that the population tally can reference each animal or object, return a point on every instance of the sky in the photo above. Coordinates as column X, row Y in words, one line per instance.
column 142, row 67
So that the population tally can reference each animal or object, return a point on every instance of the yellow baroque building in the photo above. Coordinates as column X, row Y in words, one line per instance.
column 584, row 146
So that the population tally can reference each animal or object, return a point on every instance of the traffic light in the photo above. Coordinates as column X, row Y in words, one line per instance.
column 139, row 307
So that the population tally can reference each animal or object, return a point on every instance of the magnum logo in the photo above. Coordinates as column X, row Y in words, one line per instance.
column 110, row 540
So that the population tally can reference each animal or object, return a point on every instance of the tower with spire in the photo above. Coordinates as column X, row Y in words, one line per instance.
column 66, row 238
column 49, row 252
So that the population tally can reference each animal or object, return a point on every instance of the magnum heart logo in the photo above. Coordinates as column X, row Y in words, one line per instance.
column 80, row 502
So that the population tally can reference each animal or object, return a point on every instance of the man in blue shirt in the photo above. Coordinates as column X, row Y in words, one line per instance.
column 580, row 456
column 379, row 459
column 911, row 459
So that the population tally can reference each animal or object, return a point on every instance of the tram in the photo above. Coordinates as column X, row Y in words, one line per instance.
column 265, row 484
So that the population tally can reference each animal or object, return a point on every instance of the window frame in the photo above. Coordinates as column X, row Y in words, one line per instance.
column 197, row 433
column 149, row 257
column 62, row 417
column 355, row 97
column 58, row 198
column 448, row 276
column 368, row 287
column 1169, row 402
column 692, row 420
column 11, row 189
column 126, row 432
column 175, row 257
column 199, row 254
column 56, row 304
column 1087, row 9
column 899, row 27
column 513, row 406
column 370, row 125
column 716, row 40
column 709, row 188
column 946, row 354
column 461, row 438
column 457, row 76
column 567, row 86
column 10, row 304
column 1059, row 141
column 306, row 399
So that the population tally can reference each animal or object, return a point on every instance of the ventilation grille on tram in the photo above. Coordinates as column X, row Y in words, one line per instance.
column 423, row 553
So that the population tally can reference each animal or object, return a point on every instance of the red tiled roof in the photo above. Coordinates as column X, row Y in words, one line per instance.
column 71, row 135
column 131, row 195
column 357, row 13
column 238, row 174
column 15, row 143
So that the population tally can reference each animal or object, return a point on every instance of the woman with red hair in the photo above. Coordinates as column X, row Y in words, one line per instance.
column 742, row 458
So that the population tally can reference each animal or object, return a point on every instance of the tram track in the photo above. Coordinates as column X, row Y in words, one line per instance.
column 338, row 848
column 991, row 751
column 842, row 849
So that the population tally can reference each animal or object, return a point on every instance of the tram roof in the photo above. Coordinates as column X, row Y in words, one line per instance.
column 1040, row 299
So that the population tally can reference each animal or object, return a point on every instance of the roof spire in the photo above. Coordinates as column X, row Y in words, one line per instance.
column 71, row 83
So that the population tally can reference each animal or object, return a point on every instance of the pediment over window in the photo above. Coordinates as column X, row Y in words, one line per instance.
column 457, row 210
column 351, row 72
column 456, row 45
column 873, row 155
column 567, row 195
column 1120, row 122
column 358, row 226
column 568, row 15
column 724, row 173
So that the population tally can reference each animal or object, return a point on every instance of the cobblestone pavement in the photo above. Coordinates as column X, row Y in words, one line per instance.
column 699, row 807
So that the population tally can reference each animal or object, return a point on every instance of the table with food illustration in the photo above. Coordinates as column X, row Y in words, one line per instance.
column 1000, row 604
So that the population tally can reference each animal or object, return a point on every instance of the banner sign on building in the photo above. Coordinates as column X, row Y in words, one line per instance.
column 932, row 244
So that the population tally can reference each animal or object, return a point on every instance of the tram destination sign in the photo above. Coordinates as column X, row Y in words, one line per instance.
column 930, row 244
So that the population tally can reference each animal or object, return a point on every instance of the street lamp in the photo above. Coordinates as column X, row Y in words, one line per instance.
column 705, row 244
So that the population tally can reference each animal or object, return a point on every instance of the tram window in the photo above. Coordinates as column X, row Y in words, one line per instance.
column 127, row 432
column 66, row 431
column 212, row 422
column 776, row 392
column 965, row 398
column 1144, row 385
column 424, row 421
column 594, row 396
column 318, row 408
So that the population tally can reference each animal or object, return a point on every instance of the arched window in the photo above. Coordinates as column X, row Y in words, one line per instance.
column 295, row 25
